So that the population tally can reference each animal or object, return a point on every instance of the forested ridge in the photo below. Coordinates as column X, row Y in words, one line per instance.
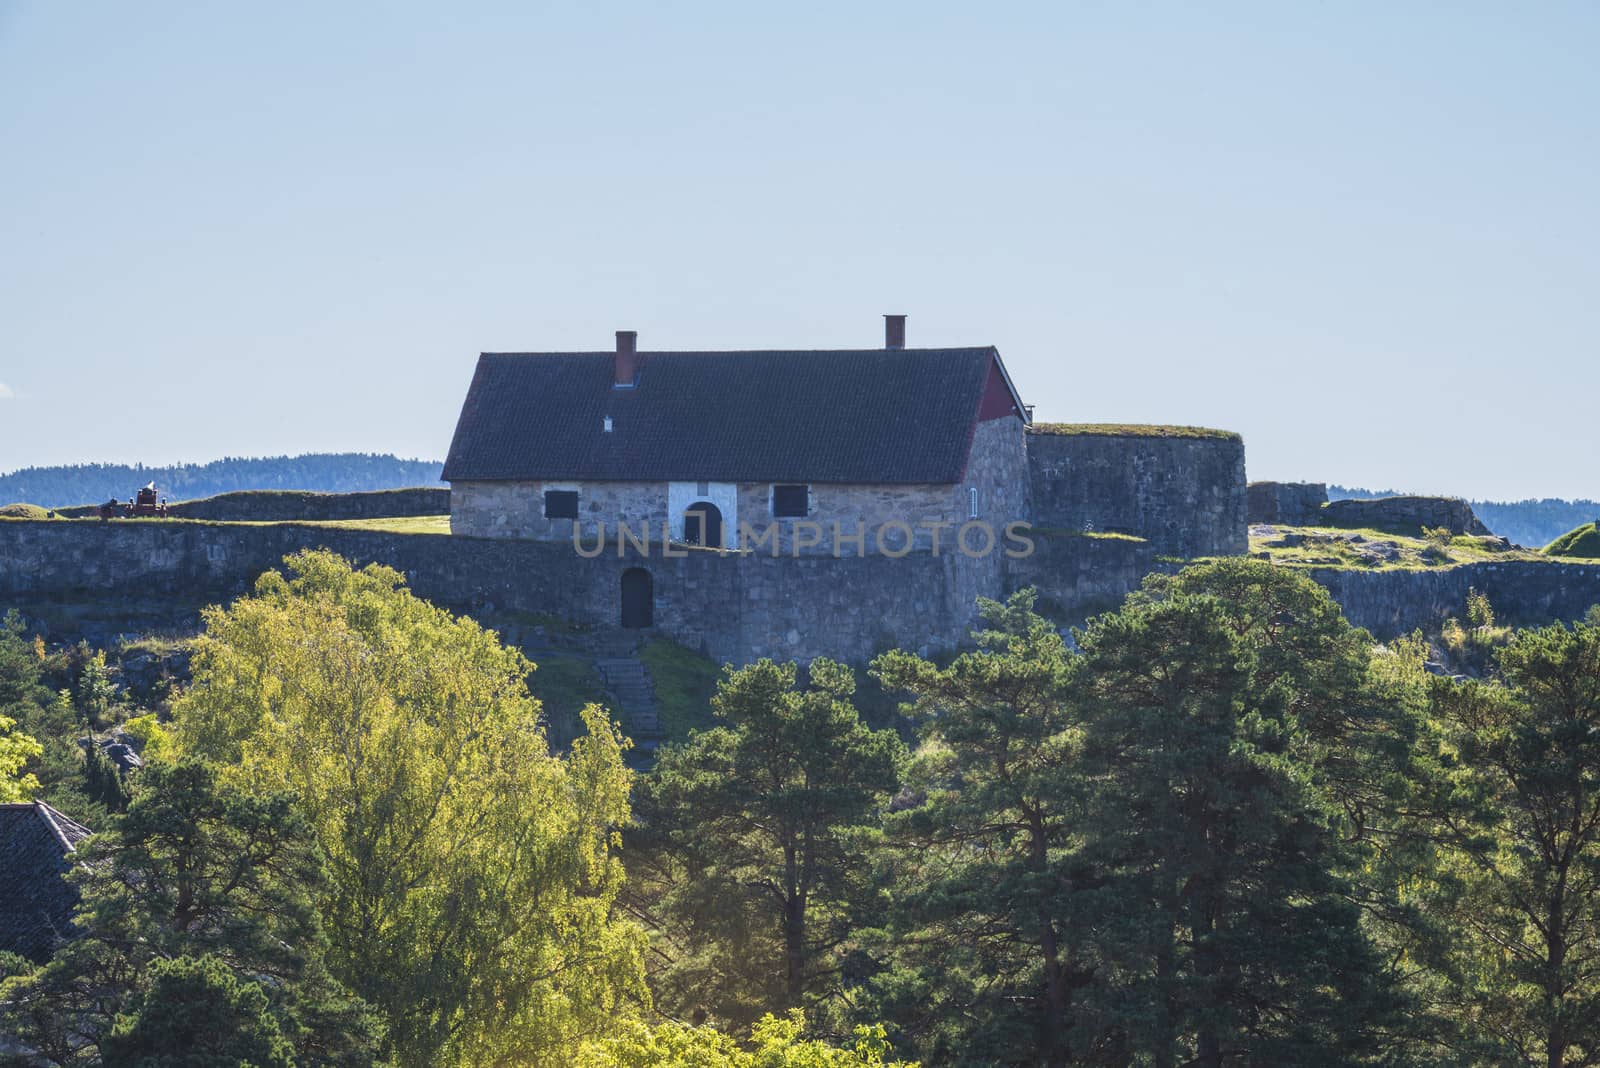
column 1218, row 827
column 343, row 472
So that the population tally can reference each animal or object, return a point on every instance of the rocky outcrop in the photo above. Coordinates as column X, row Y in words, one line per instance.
column 1404, row 515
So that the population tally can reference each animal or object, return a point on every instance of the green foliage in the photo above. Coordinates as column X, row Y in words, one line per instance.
column 1480, row 613
column 16, row 751
column 1582, row 543
column 103, row 782
column 1516, row 810
column 195, row 868
column 1227, row 750
column 755, row 836
column 775, row 1043
column 154, row 741
column 20, row 712
column 93, row 689
column 984, row 934
column 197, row 1014
column 23, row 511
column 684, row 682
column 472, row 872
column 1472, row 646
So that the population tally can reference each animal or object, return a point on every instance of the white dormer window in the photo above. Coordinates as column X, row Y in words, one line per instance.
column 972, row 502
column 608, row 424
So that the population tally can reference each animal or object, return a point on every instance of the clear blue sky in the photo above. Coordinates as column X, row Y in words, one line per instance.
column 1365, row 235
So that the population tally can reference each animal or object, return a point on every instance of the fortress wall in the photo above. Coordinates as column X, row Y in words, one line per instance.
column 1185, row 494
column 1295, row 504
column 1523, row 592
column 287, row 506
column 1078, row 576
column 732, row 607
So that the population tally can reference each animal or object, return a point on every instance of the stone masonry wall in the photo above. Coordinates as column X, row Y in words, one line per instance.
column 997, row 469
column 735, row 607
column 516, row 509
column 1078, row 576
column 1295, row 504
column 1185, row 495
column 1523, row 593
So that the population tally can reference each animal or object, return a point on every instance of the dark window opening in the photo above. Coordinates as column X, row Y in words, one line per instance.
column 791, row 501
column 561, row 504
column 702, row 525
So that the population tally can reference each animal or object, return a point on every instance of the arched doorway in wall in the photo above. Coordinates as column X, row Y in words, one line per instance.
column 638, row 598
column 702, row 525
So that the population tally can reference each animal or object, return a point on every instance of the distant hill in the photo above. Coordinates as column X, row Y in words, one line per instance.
column 1533, row 523
column 342, row 472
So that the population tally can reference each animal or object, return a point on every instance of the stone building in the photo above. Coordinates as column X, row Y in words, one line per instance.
column 876, row 451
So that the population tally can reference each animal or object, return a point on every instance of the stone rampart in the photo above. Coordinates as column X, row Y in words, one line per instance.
column 1294, row 504
column 735, row 607
column 288, row 506
column 1523, row 593
column 1181, row 489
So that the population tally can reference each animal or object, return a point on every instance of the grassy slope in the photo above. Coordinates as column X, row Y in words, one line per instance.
column 413, row 524
column 1580, row 544
column 684, row 682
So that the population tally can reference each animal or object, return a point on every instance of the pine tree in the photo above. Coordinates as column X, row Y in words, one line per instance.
column 1217, row 705
column 758, row 830
column 1516, row 811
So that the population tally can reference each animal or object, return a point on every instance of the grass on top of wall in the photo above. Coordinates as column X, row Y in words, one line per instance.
column 399, row 524
column 1580, row 544
column 1132, row 430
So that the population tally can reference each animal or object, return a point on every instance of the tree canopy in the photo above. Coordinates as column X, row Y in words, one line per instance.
column 472, row 872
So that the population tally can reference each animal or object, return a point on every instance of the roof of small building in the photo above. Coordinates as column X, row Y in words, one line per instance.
column 36, row 902
column 854, row 416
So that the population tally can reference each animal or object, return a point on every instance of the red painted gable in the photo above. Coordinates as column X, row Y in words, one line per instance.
column 997, row 402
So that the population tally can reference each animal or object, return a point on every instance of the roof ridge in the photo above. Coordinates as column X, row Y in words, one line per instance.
column 59, row 823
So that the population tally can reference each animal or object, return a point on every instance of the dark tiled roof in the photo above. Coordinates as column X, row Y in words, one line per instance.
column 36, row 903
column 867, row 416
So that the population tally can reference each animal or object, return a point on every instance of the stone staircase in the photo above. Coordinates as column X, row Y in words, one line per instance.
column 628, row 682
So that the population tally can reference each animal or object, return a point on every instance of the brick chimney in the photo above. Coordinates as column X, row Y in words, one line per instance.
column 627, row 365
column 894, row 331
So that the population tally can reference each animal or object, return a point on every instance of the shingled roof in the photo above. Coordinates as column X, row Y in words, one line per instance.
column 36, row 902
column 858, row 416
